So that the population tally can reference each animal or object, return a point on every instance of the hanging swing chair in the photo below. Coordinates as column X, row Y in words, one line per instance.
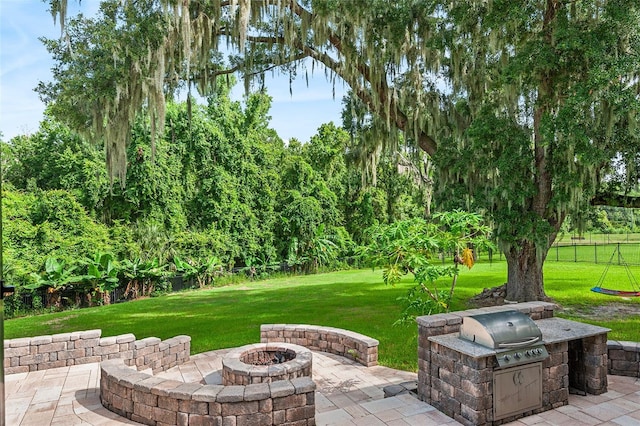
column 635, row 292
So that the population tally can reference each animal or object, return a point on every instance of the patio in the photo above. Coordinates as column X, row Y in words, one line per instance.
column 347, row 393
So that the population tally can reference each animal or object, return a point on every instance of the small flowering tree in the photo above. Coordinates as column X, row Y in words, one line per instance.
column 420, row 247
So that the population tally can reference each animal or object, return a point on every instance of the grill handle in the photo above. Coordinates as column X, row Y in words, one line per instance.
column 518, row 344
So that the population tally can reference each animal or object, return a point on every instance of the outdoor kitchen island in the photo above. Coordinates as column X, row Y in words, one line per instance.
column 477, row 385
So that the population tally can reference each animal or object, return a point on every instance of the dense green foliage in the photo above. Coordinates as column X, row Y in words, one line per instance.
column 528, row 109
column 219, row 192
column 419, row 248
column 603, row 219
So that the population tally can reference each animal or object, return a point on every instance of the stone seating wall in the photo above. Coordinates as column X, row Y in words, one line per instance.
column 83, row 347
column 349, row 344
column 156, row 401
column 152, row 400
column 623, row 358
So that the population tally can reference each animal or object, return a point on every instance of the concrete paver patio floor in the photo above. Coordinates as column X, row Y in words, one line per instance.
column 347, row 394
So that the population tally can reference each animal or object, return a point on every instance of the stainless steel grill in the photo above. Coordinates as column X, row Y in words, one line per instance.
column 515, row 337
column 517, row 340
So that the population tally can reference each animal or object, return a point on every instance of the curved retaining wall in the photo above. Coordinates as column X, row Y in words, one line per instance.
column 348, row 344
column 84, row 347
column 156, row 401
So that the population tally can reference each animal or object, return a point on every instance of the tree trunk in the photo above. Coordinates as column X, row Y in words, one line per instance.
column 524, row 263
column 524, row 271
column 106, row 297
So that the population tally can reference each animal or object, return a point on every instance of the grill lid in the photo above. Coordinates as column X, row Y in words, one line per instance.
column 501, row 330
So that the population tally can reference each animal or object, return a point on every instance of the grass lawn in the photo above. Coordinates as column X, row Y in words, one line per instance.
column 355, row 300
column 569, row 284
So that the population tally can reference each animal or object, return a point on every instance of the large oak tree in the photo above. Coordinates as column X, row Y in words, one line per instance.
column 524, row 106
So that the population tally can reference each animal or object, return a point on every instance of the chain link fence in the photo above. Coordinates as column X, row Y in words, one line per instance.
column 598, row 253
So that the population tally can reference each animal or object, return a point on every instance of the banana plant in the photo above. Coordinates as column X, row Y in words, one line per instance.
column 102, row 276
column 321, row 249
column 132, row 271
column 208, row 270
column 295, row 260
column 203, row 272
column 259, row 266
column 56, row 277
column 141, row 276
column 187, row 269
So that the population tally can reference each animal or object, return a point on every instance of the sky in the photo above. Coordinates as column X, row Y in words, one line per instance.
column 24, row 62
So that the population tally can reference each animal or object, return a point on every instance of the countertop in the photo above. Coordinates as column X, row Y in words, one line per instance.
column 554, row 330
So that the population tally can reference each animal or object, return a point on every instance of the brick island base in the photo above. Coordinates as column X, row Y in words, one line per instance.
column 460, row 378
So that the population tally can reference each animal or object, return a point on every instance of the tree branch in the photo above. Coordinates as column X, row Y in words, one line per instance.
column 615, row 200
column 396, row 116
column 410, row 164
column 382, row 91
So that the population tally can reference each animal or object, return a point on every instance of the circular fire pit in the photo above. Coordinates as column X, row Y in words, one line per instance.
column 265, row 363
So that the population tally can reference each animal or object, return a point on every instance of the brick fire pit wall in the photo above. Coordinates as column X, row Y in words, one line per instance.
column 349, row 344
column 241, row 366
